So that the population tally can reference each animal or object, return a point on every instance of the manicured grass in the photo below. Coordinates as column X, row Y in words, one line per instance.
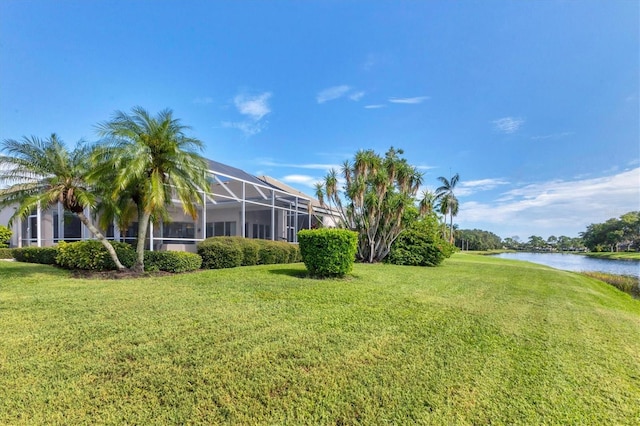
column 478, row 340
column 621, row 255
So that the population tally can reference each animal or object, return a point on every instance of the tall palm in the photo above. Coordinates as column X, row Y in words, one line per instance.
column 153, row 161
column 447, row 199
column 43, row 172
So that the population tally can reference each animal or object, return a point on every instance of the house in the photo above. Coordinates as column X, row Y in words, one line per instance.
column 237, row 204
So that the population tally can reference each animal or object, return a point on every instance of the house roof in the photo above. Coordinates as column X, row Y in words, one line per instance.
column 284, row 187
column 233, row 172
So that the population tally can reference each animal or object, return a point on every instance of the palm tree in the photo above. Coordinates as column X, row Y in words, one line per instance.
column 152, row 160
column 41, row 173
column 447, row 199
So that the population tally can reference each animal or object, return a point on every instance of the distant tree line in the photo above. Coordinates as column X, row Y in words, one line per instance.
column 476, row 239
column 621, row 234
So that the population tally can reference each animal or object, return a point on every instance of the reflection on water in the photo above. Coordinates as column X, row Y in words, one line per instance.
column 578, row 263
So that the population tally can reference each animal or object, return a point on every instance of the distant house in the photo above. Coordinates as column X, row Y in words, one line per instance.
column 237, row 204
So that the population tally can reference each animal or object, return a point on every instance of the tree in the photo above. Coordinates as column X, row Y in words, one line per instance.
column 377, row 193
column 448, row 202
column 151, row 160
column 41, row 173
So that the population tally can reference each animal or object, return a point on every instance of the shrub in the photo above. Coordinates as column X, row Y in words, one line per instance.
column 6, row 253
column 328, row 252
column 44, row 255
column 250, row 251
column 171, row 261
column 92, row 255
column 5, row 236
column 417, row 248
column 220, row 252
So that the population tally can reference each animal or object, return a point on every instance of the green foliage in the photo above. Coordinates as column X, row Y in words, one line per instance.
column 377, row 192
column 328, row 252
column 44, row 255
column 93, row 256
column 476, row 239
column 416, row 248
column 614, row 234
column 420, row 245
column 5, row 236
column 6, row 253
column 229, row 252
column 171, row 261
column 220, row 252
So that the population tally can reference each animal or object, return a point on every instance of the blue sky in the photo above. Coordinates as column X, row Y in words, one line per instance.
column 534, row 103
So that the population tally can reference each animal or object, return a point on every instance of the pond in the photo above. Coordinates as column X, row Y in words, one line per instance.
column 578, row 263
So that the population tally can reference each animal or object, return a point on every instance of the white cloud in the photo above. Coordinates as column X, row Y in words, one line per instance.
column 255, row 107
column 306, row 180
column 414, row 100
column 356, row 96
column 203, row 101
column 375, row 106
column 249, row 128
column 472, row 186
column 552, row 136
column 555, row 207
column 508, row 124
column 332, row 93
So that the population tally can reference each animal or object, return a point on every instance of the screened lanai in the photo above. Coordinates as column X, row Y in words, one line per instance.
column 236, row 204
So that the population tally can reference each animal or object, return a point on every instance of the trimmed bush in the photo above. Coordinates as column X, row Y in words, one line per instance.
column 5, row 236
column 93, row 256
column 44, row 255
column 6, row 253
column 328, row 252
column 220, row 252
column 417, row 248
column 171, row 261
column 250, row 252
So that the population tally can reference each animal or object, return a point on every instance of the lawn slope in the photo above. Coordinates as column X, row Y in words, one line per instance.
column 478, row 340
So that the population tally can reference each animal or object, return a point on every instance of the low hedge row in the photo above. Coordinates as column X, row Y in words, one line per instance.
column 6, row 253
column 92, row 255
column 44, row 255
column 171, row 261
column 230, row 252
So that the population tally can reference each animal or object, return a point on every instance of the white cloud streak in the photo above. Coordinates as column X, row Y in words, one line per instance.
column 555, row 207
column 552, row 136
column 411, row 101
column 375, row 106
column 467, row 188
column 332, row 93
column 306, row 180
column 508, row 125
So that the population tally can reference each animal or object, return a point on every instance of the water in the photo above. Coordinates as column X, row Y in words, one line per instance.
column 578, row 263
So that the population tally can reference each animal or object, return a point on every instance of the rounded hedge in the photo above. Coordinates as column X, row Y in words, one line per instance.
column 229, row 252
column 43, row 255
column 328, row 252
column 171, row 261
column 416, row 248
column 92, row 255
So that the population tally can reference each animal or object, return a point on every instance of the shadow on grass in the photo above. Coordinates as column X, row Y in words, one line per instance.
column 296, row 273
column 14, row 269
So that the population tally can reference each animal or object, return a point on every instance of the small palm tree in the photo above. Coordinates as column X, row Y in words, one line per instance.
column 447, row 199
column 41, row 173
column 152, row 161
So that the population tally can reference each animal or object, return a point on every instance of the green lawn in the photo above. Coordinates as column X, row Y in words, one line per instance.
column 621, row 255
column 478, row 340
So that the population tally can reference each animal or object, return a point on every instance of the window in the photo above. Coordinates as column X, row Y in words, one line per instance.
column 178, row 230
column 261, row 231
column 221, row 229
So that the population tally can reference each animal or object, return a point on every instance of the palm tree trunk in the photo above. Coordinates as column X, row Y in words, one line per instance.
column 102, row 239
column 142, row 236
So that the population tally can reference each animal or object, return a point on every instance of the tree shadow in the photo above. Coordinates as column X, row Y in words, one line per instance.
column 296, row 273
